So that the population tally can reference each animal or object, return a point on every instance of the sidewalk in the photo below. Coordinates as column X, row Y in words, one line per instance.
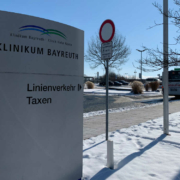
column 93, row 126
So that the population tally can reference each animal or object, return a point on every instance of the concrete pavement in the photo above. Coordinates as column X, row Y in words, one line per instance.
column 94, row 126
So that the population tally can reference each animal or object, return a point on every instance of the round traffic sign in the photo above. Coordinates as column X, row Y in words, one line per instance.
column 106, row 31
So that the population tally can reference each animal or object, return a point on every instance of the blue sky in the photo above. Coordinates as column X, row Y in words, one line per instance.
column 131, row 18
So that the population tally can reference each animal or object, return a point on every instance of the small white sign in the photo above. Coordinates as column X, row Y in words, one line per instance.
column 106, row 44
column 106, row 51
column 106, row 56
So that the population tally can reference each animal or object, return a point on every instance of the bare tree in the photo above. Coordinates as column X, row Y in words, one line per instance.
column 120, row 52
column 154, row 61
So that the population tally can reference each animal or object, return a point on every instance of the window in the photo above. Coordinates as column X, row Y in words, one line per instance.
column 174, row 75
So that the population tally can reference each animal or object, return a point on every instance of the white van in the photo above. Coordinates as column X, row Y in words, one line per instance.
column 149, row 80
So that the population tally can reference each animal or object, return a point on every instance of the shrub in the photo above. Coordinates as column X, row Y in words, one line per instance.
column 147, row 86
column 90, row 85
column 154, row 85
column 137, row 87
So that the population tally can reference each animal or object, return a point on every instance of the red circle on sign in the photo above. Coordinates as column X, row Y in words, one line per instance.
column 113, row 30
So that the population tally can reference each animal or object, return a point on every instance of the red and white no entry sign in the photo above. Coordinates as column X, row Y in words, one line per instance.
column 106, row 31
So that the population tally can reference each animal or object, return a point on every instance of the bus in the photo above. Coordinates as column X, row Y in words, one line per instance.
column 174, row 83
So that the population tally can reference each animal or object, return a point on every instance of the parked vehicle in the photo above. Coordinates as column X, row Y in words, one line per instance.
column 116, row 83
column 123, row 82
column 111, row 83
column 174, row 83
column 149, row 80
column 103, row 83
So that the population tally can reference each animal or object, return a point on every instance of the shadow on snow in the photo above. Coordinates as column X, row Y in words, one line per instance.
column 106, row 172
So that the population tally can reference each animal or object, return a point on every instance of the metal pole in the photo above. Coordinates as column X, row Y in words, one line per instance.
column 107, row 98
column 141, row 60
column 141, row 65
column 165, row 69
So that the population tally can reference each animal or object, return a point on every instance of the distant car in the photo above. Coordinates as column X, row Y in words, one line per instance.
column 116, row 83
column 149, row 80
column 103, row 83
column 111, row 83
column 123, row 82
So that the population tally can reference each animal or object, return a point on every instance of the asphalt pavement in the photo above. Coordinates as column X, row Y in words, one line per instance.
column 97, row 102
column 94, row 126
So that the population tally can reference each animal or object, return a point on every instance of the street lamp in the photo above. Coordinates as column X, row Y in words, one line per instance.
column 141, row 59
column 135, row 73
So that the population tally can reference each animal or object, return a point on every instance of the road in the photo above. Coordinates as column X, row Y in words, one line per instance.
column 96, row 102
column 95, row 125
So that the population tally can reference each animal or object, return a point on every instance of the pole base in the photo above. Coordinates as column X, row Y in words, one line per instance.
column 110, row 155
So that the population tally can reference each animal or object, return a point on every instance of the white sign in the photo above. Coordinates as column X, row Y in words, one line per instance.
column 106, row 56
column 108, row 44
column 106, row 50
column 41, row 75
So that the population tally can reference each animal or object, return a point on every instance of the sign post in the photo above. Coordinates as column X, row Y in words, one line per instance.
column 165, row 69
column 106, row 34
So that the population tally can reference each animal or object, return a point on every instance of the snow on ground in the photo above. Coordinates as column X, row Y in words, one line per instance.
column 111, row 92
column 141, row 152
column 120, row 93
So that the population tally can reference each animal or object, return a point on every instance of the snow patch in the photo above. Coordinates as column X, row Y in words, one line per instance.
column 141, row 152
